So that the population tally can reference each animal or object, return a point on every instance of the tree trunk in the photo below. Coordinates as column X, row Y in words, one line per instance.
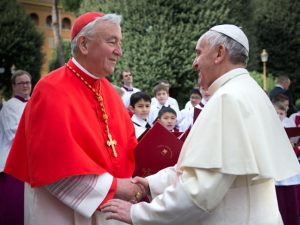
column 56, row 34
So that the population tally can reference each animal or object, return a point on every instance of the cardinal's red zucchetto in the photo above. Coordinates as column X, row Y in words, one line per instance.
column 83, row 20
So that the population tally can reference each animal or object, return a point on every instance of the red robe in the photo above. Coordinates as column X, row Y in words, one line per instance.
column 62, row 133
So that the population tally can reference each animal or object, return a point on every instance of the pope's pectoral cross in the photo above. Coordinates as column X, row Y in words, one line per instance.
column 111, row 143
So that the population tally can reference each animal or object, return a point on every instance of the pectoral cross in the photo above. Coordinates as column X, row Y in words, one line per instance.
column 111, row 143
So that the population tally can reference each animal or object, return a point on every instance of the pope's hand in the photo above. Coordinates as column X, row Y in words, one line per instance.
column 117, row 209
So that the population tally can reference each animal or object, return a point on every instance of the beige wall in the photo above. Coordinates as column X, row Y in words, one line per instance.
column 43, row 9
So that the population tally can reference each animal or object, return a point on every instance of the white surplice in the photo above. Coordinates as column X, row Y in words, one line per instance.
column 10, row 115
column 70, row 201
column 227, row 166
column 294, row 180
column 127, row 94
column 170, row 101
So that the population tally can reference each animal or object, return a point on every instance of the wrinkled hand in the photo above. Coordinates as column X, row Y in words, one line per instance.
column 117, row 209
column 143, row 182
column 129, row 191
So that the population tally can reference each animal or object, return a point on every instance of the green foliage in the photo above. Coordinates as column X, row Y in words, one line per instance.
column 159, row 37
column 54, row 64
column 298, row 104
column 277, row 27
column 71, row 5
column 258, row 78
column 20, row 43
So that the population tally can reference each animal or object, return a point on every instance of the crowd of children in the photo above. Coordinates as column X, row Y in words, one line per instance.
column 146, row 111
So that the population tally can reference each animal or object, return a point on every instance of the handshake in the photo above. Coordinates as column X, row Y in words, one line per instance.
column 129, row 191
column 132, row 189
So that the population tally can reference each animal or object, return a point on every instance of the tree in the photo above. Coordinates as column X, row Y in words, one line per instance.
column 277, row 26
column 159, row 37
column 71, row 5
column 56, row 34
column 63, row 51
column 20, row 44
column 54, row 64
column 258, row 78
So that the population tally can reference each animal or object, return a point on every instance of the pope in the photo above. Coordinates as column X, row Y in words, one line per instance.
column 235, row 150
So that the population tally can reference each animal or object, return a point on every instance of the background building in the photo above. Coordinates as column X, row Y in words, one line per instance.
column 41, row 13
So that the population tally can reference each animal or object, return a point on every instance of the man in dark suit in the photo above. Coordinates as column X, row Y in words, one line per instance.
column 282, row 87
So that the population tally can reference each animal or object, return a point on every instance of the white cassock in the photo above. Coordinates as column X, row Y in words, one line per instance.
column 226, row 170
column 10, row 115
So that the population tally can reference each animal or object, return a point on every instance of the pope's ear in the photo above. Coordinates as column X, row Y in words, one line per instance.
column 130, row 108
column 221, row 54
column 82, row 44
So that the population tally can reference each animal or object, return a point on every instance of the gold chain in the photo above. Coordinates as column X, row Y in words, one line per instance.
column 110, row 141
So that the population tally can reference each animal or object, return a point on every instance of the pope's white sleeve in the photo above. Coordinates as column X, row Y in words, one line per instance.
column 206, row 188
column 161, row 180
column 180, row 204
column 83, row 193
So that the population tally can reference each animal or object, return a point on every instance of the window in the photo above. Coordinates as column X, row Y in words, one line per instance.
column 66, row 23
column 35, row 18
column 49, row 21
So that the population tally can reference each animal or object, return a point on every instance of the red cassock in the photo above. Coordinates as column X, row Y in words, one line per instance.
column 62, row 133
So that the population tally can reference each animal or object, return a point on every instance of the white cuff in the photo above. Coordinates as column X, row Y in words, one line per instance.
column 173, row 207
column 161, row 180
